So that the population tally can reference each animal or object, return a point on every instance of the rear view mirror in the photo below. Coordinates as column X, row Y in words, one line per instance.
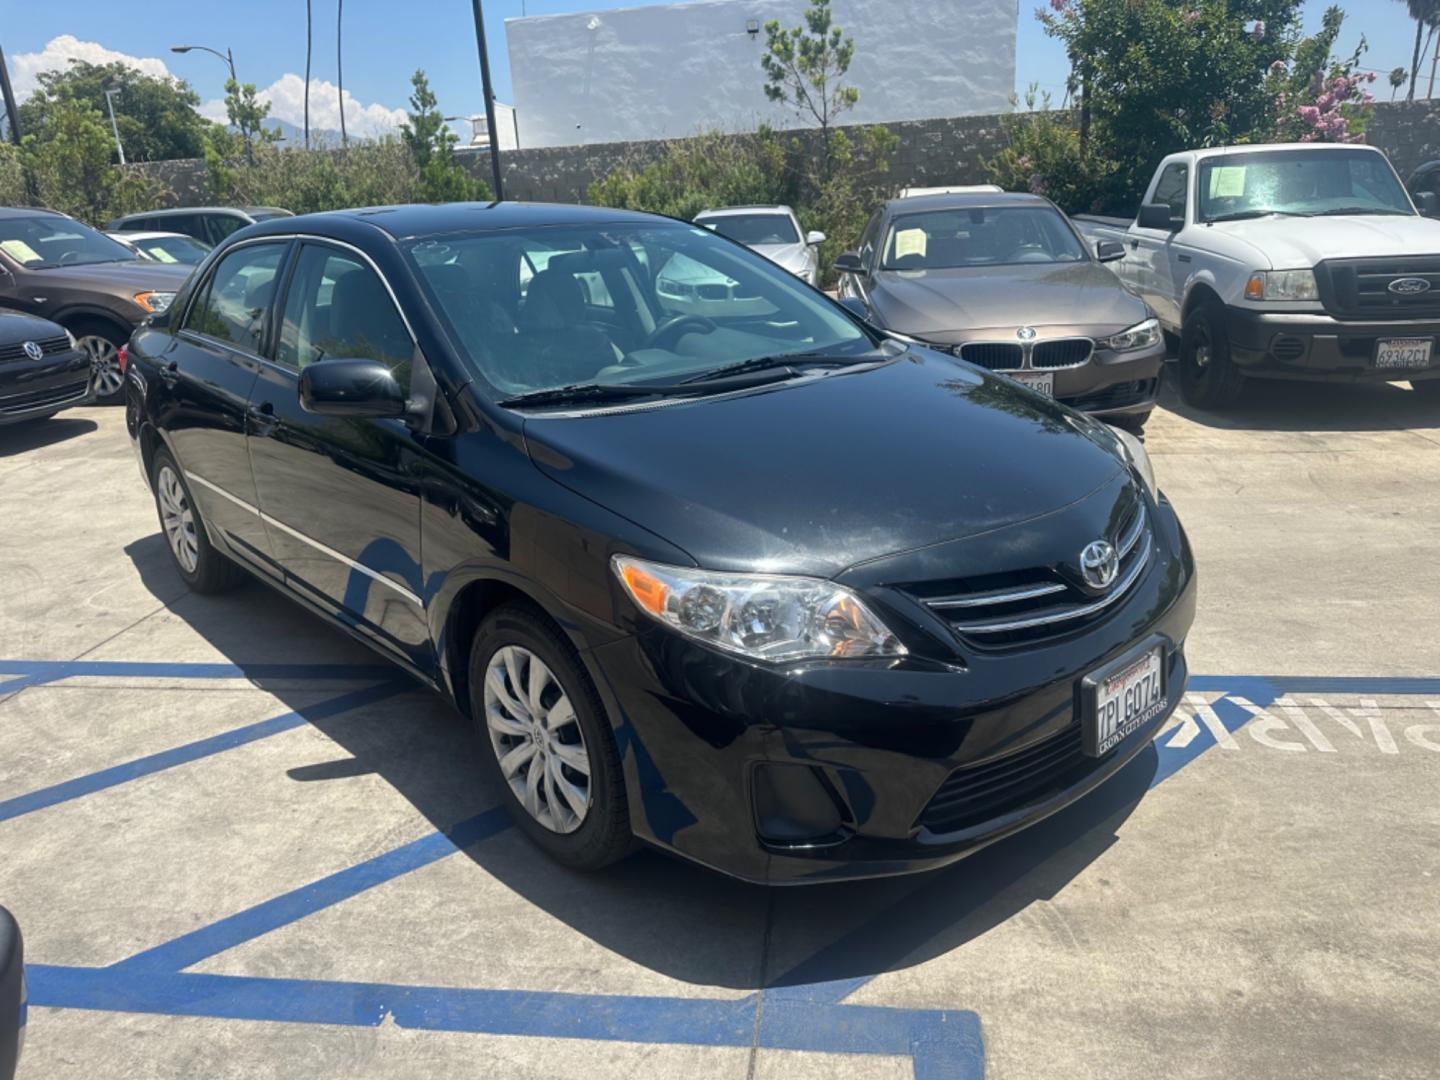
column 1109, row 250
column 814, row 238
column 1159, row 216
column 849, row 263
column 351, row 388
column 12, row 994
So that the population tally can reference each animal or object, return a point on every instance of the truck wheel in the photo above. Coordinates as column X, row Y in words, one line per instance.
column 1208, row 377
column 1429, row 389
column 102, row 341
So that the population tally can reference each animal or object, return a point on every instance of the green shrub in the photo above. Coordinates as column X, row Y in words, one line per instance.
column 1043, row 157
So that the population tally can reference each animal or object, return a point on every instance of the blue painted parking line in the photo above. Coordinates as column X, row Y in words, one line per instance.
column 193, row 751
column 51, row 670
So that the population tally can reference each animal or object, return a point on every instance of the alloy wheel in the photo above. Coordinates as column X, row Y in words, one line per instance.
column 537, row 739
column 105, row 371
column 177, row 519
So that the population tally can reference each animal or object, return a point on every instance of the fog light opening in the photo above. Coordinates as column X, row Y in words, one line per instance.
column 794, row 806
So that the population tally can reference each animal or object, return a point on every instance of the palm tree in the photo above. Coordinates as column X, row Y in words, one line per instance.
column 1425, row 13
column 308, row 39
column 340, row 67
column 1397, row 80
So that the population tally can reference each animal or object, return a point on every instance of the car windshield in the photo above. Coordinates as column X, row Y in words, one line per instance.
column 559, row 306
column 42, row 242
column 173, row 249
column 980, row 236
column 754, row 228
column 1299, row 182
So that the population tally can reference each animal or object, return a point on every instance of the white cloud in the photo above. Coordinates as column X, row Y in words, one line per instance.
column 286, row 96
column 25, row 68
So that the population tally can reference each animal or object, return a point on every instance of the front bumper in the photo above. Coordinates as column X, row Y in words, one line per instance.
column 696, row 728
column 1317, row 347
column 31, row 388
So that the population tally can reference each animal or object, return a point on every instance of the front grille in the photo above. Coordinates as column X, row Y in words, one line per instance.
column 995, row 355
column 1018, row 609
column 1360, row 288
column 39, row 399
column 1066, row 352
column 977, row 793
column 1116, row 396
column 49, row 346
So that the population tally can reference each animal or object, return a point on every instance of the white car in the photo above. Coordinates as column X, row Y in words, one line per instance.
column 1289, row 261
column 165, row 247
column 772, row 231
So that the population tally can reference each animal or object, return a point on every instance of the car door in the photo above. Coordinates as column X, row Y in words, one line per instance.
column 339, row 494
column 206, row 377
column 1153, row 250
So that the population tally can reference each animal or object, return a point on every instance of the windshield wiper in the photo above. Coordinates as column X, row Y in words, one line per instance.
column 582, row 392
column 1384, row 211
column 1248, row 215
column 780, row 362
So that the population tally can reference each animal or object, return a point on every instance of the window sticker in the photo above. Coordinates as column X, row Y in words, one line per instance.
column 20, row 251
column 910, row 242
column 1227, row 182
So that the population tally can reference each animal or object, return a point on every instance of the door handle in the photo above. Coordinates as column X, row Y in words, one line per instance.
column 171, row 371
column 262, row 418
column 1183, row 258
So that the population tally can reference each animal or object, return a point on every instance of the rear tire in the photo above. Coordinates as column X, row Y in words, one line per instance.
column 560, row 778
column 203, row 568
column 102, row 340
column 1208, row 377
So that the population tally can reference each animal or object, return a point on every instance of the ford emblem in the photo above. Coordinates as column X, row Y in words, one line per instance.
column 1409, row 286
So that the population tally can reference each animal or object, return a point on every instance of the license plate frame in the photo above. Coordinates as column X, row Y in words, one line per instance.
column 1101, row 734
column 1042, row 382
column 1399, row 354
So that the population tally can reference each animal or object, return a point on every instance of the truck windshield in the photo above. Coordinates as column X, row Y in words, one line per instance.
column 1304, row 183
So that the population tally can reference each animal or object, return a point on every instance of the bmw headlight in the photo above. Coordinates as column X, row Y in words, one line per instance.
column 1140, row 336
column 768, row 617
column 1282, row 285
column 1139, row 458
column 155, row 302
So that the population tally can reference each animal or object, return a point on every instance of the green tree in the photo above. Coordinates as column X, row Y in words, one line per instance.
column 685, row 176
column 431, row 144
column 805, row 68
column 1042, row 155
column 155, row 115
column 247, row 114
column 1426, row 13
column 1397, row 80
column 70, row 162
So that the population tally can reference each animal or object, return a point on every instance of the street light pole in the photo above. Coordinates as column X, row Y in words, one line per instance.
column 489, row 99
column 111, row 89
column 9, row 95
column 229, row 60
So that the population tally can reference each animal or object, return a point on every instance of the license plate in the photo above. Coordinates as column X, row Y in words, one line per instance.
column 1042, row 382
column 1122, row 699
column 1403, row 353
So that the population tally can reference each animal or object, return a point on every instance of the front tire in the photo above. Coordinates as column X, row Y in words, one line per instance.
column 102, row 341
column 1208, row 376
column 203, row 568
column 547, row 743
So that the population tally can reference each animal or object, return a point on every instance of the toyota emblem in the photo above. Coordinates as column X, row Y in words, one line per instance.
column 1099, row 564
column 1026, row 333
column 1409, row 286
column 32, row 350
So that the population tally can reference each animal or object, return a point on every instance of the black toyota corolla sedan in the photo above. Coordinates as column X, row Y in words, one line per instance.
column 753, row 584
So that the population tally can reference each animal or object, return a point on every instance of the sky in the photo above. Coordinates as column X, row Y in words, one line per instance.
column 386, row 41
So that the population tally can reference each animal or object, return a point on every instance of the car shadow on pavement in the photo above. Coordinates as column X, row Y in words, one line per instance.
column 661, row 912
column 34, row 434
column 1276, row 405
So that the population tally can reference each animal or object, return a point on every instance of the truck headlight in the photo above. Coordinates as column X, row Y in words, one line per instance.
column 768, row 617
column 1282, row 285
column 1140, row 336
column 155, row 302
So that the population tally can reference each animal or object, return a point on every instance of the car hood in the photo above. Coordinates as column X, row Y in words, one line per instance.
column 790, row 256
column 119, row 277
column 813, row 477
column 16, row 328
column 957, row 302
column 1297, row 243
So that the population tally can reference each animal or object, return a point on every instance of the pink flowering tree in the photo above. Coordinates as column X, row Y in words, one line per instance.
column 1316, row 98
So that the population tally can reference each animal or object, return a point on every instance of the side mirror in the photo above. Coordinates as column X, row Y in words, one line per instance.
column 849, row 263
column 12, row 993
column 854, row 305
column 1109, row 250
column 351, row 388
column 1159, row 216
column 1428, row 203
column 814, row 238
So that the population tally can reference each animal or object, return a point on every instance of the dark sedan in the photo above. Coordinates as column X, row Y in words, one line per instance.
column 762, row 587
column 12, row 994
column 1004, row 281
column 42, row 369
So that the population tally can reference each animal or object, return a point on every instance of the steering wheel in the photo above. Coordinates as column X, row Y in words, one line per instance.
column 669, row 331
column 68, row 257
column 1029, row 253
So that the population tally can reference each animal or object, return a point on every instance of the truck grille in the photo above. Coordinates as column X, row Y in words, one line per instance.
column 1360, row 288
column 995, row 355
column 1063, row 353
column 49, row 346
column 976, row 793
column 1039, row 604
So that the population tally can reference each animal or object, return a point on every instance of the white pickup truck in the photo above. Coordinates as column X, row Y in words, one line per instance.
column 1298, row 261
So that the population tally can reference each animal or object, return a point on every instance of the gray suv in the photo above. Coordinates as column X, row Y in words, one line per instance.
column 208, row 223
column 60, row 269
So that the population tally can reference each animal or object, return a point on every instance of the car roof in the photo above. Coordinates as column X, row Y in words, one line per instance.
column 728, row 211
column 968, row 200
column 421, row 220
column 171, row 211
column 151, row 234
column 12, row 212
column 1252, row 148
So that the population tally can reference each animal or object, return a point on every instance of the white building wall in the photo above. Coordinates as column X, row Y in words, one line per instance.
column 671, row 71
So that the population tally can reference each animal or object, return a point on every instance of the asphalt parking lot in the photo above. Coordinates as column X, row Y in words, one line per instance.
column 242, row 846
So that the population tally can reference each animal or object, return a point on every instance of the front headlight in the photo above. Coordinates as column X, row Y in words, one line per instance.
column 155, row 302
column 1282, row 285
column 763, row 616
column 1140, row 336
column 1139, row 458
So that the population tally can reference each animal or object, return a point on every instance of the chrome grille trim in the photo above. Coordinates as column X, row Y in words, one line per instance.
column 1121, row 587
column 1132, row 535
column 998, row 596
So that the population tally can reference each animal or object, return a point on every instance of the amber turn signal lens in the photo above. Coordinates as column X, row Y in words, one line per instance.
column 649, row 591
